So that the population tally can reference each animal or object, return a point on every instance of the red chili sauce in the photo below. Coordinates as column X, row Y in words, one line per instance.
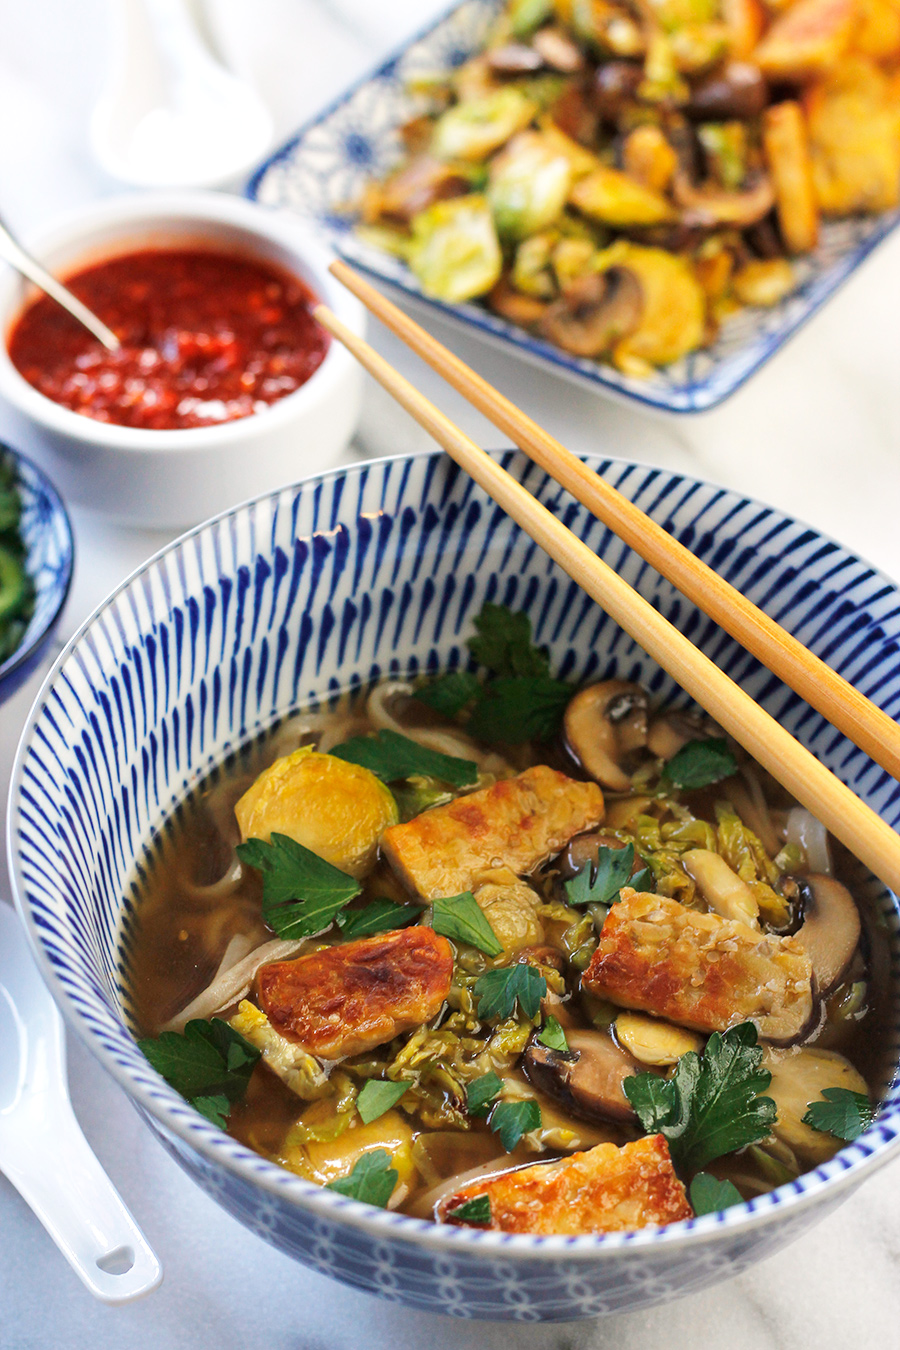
column 206, row 338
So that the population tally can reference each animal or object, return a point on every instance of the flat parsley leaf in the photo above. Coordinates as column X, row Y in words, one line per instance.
column 498, row 991
column 449, row 693
column 302, row 893
column 700, row 763
column 380, row 916
column 843, row 1113
column 601, row 883
column 709, row 1195
column 510, row 1120
column 520, row 708
column 710, row 1106
column 504, row 643
column 460, row 917
column 481, row 1091
column 472, row 1211
column 372, row 1179
column 391, row 756
column 552, row 1035
column 378, row 1095
column 209, row 1063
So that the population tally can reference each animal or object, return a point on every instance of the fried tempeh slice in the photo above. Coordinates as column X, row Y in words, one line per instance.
column 517, row 823
column 346, row 999
column 700, row 970
column 605, row 1190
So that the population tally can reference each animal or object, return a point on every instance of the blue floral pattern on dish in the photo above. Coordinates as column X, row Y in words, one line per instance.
column 376, row 570
column 321, row 172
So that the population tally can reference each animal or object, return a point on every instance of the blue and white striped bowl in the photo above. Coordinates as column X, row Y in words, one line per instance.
column 49, row 558
column 374, row 570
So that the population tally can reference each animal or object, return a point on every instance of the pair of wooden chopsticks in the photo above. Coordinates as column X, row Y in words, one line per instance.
column 839, row 809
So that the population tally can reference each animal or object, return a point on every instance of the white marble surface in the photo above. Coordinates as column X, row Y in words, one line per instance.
column 818, row 433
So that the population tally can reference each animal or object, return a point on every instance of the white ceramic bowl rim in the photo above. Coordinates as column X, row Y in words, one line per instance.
column 270, row 225
column 842, row 1173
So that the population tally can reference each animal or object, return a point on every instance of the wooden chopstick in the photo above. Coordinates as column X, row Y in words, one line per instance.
column 848, row 818
column 845, row 707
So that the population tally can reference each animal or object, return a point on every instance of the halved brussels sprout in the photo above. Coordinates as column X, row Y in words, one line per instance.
column 336, row 809
column 528, row 185
column 474, row 129
column 611, row 196
column 455, row 252
column 531, row 266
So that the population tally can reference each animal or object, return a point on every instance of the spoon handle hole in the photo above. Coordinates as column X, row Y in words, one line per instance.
column 117, row 1262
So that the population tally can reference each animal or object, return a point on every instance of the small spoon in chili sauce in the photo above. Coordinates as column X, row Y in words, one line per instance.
column 13, row 252
column 206, row 337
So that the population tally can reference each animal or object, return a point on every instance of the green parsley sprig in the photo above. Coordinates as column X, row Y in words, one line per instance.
column 700, row 763
column 380, row 916
column 844, row 1113
column 511, row 1120
column 372, row 1179
column 476, row 1211
column 209, row 1063
column 460, row 917
column 391, row 757
column 302, row 893
column 709, row 1195
column 711, row 1105
column 601, row 883
column 498, row 991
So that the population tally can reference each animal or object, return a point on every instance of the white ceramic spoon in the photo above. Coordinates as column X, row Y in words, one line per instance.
column 42, row 1150
column 170, row 114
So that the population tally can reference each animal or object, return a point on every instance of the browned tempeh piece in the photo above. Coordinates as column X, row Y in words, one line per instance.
column 605, row 1190
column 700, row 970
column 349, row 998
column 517, row 823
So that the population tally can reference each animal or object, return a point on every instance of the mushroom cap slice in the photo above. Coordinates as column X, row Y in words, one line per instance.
column 798, row 1078
column 709, row 205
column 603, row 724
column 588, row 1080
column 830, row 930
column 594, row 312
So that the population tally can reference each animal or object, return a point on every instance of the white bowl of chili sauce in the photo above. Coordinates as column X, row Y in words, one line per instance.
column 224, row 385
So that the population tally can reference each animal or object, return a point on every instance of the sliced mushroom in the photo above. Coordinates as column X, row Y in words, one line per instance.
column 588, row 1080
column 418, row 185
column 652, row 1041
column 558, row 50
column 595, row 311
column 722, row 889
column 710, row 205
column 515, row 58
column 604, row 724
column 737, row 92
column 669, row 731
column 584, row 849
column 798, row 1078
column 525, row 310
column 830, row 930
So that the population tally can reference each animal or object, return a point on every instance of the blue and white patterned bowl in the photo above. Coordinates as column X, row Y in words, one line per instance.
column 329, row 161
column 375, row 570
column 49, row 557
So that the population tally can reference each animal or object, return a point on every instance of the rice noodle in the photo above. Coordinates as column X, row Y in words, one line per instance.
column 217, row 891
column 425, row 1205
column 445, row 740
column 232, row 982
column 324, row 730
column 804, row 831
column 750, row 803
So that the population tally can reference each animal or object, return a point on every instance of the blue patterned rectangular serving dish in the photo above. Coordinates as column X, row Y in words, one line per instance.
column 324, row 167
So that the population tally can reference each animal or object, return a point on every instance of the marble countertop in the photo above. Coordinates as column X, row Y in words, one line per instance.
column 816, row 433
